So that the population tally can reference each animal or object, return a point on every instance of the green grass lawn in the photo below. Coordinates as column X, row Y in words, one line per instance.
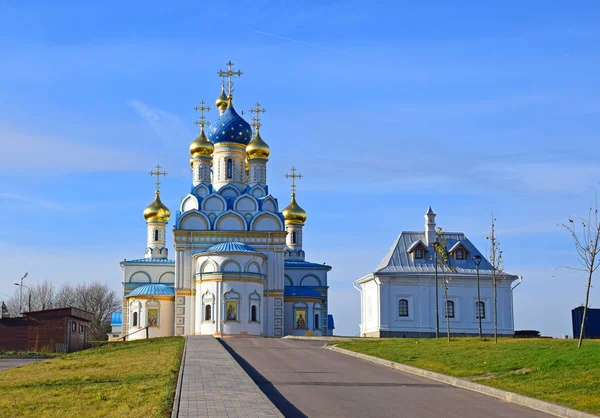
column 117, row 380
column 551, row 370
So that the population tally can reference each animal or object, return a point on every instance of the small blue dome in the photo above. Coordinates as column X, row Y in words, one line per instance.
column 227, row 247
column 230, row 127
column 152, row 289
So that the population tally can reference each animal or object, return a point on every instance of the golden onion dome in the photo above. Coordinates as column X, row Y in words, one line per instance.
column 257, row 148
column 201, row 147
column 157, row 211
column 293, row 213
column 221, row 102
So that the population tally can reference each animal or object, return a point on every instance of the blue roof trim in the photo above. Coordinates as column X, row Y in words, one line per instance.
column 301, row 291
column 305, row 264
column 149, row 261
column 116, row 319
column 153, row 289
column 330, row 323
column 227, row 247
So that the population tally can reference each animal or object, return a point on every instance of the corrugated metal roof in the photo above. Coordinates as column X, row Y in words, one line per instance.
column 150, row 261
column 301, row 291
column 226, row 247
column 152, row 289
column 304, row 264
column 398, row 260
column 116, row 319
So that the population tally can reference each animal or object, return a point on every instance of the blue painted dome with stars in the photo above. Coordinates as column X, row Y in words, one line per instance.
column 230, row 127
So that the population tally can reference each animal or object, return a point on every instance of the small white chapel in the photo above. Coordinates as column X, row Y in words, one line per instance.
column 239, row 266
column 398, row 299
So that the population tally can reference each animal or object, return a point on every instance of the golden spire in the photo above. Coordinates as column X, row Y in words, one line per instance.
column 229, row 74
column 201, row 146
column 257, row 148
column 157, row 211
column 221, row 101
column 293, row 213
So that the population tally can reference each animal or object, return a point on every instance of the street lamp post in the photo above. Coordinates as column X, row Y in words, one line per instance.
column 437, row 308
column 21, row 293
column 477, row 261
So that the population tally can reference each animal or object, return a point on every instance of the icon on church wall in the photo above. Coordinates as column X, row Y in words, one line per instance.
column 231, row 311
column 152, row 317
column 301, row 319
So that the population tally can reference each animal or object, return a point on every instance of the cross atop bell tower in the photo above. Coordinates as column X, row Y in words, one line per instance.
column 293, row 176
column 157, row 173
column 229, row 74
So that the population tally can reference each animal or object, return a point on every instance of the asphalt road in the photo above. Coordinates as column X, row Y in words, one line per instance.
column 10, row 362
column 303, row 379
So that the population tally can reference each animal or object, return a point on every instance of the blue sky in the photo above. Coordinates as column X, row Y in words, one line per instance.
column 385, row 107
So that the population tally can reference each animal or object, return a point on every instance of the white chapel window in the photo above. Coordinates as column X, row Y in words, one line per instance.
column 459, row 254
column 403, row 307
column 156, row 235
column 449, row 309
column 418, row 254
column 207, row 312
column 229, row 168
column 294, row 237
column 480, row 310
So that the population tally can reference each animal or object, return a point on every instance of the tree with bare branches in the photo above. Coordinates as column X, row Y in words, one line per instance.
column 443, row 262
column 497, row 263
column 586, row 238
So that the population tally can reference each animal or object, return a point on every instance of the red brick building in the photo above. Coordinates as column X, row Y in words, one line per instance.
column 53, row 330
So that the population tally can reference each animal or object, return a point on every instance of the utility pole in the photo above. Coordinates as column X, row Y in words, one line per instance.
column 21, row 294
column 437, row 308
column 477, row 261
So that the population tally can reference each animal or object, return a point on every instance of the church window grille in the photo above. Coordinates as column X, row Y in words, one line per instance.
column 459, row 254
column 254, row 314
column 317, row 326
column 480, row 310
column 135, row 319
column 229, row 168
column 156, row 235
column 294, row 237
column 403, row 307
column 418, row 254
column 449, row 309
column 207, row 313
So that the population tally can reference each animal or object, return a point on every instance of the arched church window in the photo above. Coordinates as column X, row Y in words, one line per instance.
column 317, row 326
column 135, row 319
column 403, row 307
column 294, row 237
column 253, row 315
column 156, row 235
column 449, row 309
column 229, row 168
column 207, row 313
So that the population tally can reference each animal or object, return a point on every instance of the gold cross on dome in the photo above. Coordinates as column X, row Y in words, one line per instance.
column 158, row 173
column 293, row 176
column 229, row 74
column 256, row 120
column 201, row 109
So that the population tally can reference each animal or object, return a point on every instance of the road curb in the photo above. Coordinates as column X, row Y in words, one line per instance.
column 547, row 407
column 177, row 399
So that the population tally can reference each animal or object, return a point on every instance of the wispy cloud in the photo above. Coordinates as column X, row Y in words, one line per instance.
column 303, row 42
column 167, row 126
column 30, row 202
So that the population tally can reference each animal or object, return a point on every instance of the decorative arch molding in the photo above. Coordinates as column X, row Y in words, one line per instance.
column 246, row 203
column 269, row 204
column 208, row 266
column 252, row 267
column 140, row 276
column 214, row 203
column 266, row 222
column 288, row 281
column 229, row 191
column 258, row 191
column 231, row 294
column 201, row 190
column 152, row 302
column 188, row 203
column 167, row 277
column 208, row 307
column 310, row 280
column 231, row 266
column 225, row 222
column 194, row 221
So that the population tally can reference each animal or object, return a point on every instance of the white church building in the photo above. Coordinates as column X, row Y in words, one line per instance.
column 239, row 266
column 398, row 299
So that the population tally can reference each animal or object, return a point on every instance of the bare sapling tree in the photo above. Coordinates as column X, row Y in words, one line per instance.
column 497, row 263
column 42, row 296
column 443, row 261
column 586, row 238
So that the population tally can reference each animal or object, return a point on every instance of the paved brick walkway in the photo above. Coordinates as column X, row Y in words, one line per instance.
column 214, row 385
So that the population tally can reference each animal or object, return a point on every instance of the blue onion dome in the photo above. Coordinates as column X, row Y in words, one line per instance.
column 230, row 127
